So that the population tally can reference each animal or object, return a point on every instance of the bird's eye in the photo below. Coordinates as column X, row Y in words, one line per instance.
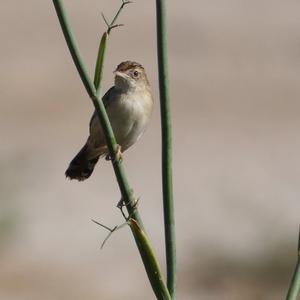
column 135, row 73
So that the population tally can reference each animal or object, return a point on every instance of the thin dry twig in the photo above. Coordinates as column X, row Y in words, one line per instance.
column 112, row 24
column 111, row 230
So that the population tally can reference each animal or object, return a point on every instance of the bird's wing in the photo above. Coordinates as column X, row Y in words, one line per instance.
column 106, row 101
column 107, row 97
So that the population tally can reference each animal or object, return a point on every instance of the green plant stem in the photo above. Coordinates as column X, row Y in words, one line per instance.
column 295, row 282
column 152, row 270
column 149, row 259
column 166, row 134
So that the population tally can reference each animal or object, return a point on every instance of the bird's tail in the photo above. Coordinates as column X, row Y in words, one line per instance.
column 81, row 167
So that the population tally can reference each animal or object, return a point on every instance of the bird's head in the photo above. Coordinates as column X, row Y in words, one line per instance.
column 130, row 75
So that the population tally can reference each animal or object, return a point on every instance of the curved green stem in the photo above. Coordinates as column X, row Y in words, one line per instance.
column 166, row 134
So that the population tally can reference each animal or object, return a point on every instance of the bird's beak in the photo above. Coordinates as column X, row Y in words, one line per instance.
column 120, row 74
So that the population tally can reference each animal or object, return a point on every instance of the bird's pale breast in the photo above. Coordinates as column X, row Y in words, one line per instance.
column 129, row 115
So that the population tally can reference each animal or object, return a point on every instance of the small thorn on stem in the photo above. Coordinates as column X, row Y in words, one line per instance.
column 102, row 225
column 108, row 236
column 116, row 25
column 105, row 21
column 111, row 230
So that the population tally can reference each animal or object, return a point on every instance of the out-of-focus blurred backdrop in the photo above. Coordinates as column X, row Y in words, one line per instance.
column 235, row 79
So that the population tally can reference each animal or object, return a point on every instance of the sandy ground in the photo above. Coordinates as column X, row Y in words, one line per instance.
column 234, row 72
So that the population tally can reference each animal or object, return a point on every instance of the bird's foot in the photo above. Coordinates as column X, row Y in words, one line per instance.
column 118, row 155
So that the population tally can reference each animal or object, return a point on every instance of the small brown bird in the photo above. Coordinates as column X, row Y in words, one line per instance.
column 129, row 106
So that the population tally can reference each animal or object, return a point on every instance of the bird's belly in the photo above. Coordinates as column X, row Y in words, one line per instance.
column 129, row 121
column 128, row 116
column 128, row 128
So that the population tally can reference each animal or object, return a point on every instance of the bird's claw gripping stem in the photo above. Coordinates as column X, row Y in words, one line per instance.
column 117, row 157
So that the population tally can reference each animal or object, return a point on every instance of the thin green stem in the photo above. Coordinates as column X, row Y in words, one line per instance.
column 93, row 91
column 295, row 282
column 60, row 11
column 166, row 134
column 143, row 243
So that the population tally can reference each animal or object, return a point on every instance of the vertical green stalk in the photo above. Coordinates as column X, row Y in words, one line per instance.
column 166, row 134
column 295, row 282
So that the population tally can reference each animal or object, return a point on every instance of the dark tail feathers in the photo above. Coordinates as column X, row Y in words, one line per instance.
column 81, row 167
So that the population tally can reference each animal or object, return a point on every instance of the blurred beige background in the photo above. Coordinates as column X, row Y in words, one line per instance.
column 235, row 79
